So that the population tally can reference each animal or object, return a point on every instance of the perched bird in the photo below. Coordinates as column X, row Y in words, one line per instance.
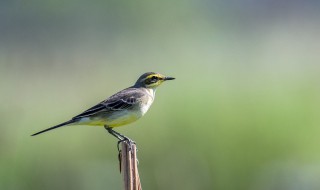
column 122, row 108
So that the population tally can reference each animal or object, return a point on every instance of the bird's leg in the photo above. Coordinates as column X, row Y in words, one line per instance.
column 120, row 137
column 113, row 133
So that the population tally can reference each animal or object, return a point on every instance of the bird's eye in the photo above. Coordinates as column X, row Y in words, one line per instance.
column 153, row 79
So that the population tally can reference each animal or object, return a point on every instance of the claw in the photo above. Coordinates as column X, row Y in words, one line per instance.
column 126, row 140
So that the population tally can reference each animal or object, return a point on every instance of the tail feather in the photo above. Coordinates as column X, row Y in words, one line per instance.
column 54, row 127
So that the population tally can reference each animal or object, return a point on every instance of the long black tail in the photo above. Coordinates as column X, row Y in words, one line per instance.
column 54, row 127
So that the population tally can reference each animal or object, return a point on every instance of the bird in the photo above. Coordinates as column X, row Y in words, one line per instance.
column 122, row 108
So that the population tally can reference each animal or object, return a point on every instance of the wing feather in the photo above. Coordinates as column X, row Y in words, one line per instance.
column 124, row 99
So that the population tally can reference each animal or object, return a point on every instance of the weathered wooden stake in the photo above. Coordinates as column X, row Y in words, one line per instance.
column 128, row 166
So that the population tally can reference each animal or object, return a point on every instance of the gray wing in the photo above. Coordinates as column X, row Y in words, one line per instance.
column 124, row 99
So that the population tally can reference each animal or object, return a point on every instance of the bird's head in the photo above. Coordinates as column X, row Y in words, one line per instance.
column 151, row 80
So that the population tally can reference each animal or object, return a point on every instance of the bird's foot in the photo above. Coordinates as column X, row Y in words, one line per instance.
column 126, row 140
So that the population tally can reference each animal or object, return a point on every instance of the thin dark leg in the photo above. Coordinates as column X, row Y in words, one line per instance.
column 114, row 133
column 119, row 136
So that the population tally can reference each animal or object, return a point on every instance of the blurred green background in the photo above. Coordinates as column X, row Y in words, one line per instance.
column 243, row 113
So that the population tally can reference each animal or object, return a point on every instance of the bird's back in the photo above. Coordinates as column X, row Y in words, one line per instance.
column 120, row 109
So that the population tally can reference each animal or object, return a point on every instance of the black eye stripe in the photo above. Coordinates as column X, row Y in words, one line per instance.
column 151, row 80
column 154, row 79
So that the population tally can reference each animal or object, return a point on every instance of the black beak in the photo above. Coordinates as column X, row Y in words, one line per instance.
column 169, row 78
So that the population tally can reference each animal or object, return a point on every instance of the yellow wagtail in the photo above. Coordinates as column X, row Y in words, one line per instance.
column 121, row 108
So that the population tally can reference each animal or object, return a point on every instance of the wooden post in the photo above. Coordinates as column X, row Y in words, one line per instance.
column 128, row 166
